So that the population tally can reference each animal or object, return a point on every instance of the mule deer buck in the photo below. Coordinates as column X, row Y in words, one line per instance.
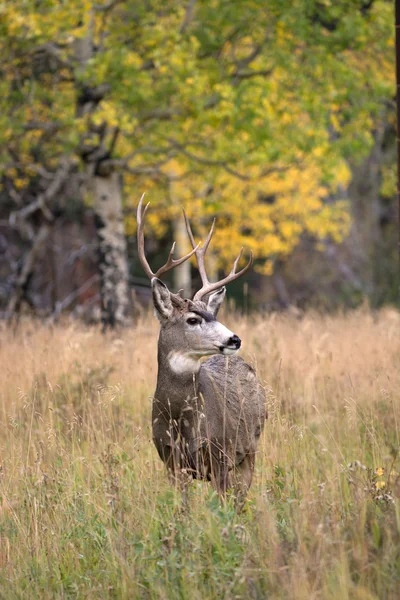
column 207, row 417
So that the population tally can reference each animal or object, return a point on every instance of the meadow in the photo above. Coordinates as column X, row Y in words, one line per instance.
column 86, row 508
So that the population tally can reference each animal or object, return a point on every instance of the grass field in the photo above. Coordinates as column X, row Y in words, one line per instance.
column 86, row 509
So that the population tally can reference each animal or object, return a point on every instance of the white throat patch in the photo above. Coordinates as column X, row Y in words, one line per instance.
column 229, row 351
column 182, row 363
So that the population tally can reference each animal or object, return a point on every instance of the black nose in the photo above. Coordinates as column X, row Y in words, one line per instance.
column 234, row 341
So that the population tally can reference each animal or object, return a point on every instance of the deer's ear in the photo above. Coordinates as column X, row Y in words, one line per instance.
column 215, row 300
column 162, row 300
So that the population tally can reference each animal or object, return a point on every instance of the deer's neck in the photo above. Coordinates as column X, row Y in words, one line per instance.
column 177, row 379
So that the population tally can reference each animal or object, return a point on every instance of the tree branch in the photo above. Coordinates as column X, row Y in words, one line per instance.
column 249, row 74
column 26, row 271
column 160, row 114
column 224, row 164
column 114, row 139
column 106, row 7
column 42, row 126
column 41, row 202
column 68, row 300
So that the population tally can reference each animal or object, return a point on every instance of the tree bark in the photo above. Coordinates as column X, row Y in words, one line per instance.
column 112, row 248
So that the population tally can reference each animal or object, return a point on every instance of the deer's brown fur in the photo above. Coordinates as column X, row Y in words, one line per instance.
column 207, row 417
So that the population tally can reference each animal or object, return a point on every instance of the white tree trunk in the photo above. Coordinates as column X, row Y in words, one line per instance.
column 107, row 203
column 212, row 265
column 113, row 264
column 182, row 274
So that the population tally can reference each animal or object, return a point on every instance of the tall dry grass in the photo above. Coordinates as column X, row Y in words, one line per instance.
column 86, row 510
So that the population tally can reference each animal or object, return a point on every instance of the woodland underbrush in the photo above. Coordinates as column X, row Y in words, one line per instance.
column 86, row 508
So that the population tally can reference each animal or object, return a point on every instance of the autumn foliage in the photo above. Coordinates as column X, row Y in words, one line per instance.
column 255, row 111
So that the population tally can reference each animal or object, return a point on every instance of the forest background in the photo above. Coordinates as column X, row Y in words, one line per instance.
column 276, row 117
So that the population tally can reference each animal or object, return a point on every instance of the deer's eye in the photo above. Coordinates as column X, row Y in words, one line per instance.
column 193, row 321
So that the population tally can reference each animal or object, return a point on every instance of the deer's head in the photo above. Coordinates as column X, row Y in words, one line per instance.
column 189, row 327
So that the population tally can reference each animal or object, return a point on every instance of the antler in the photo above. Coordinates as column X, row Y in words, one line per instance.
column 171, row 263
column 200, row 255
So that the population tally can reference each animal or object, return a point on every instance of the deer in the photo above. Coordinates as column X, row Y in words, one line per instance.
column 207, row 416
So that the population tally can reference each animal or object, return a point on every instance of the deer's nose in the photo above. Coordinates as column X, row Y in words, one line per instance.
column 234, row 341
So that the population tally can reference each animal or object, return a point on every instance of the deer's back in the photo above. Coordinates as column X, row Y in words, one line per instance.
column 234, row 404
